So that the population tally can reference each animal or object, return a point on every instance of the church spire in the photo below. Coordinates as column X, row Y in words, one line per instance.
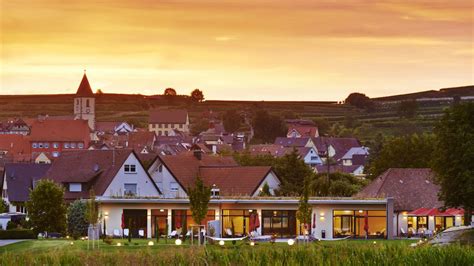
column 84, row 89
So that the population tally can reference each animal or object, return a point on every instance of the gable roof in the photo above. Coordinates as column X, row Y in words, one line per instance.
column 355, row 151
column 17, row 146
column 340, row 145
column 95, row 167
column 60, row 130
column 168, row 116
column 242, row 180
column 411, row 188
column 304, row 130
column 84, row 89
column 20, row 178
column 140, row 139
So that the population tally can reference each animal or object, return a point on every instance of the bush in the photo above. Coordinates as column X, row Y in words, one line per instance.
column 76, row 219
column 17, row 234
column 11, row 225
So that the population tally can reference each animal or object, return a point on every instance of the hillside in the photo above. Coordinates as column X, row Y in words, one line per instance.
column 351, row 121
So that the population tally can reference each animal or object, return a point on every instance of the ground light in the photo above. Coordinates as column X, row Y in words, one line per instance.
column 375, row 242
column 178, row 242
column 119, row 244
column 72, row 243
column 221, row 242
column 291, row 242
column 150, row 243
column 252, row 243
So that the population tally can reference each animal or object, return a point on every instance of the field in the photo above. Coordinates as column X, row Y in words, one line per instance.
column 353, row 252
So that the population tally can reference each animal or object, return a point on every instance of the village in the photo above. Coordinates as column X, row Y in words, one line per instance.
column 142, row 178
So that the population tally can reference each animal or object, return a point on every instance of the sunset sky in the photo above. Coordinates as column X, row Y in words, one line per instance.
column 239, row 49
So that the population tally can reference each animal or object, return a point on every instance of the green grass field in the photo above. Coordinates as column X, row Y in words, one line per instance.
column 351, row 252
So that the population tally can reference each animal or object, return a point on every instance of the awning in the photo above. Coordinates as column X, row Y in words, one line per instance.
column 436, row 212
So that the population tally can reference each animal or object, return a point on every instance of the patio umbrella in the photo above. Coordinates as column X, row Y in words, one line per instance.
column 123, row 221
column 366, row 224
column 256, row 223
column 252, row 222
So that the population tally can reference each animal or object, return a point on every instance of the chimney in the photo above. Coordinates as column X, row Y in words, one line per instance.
column 198, row 154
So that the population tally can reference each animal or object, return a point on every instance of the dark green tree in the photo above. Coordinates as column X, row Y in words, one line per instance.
column 265, row 190
column 340, row 185
column 304, row 208
column 169, row 92
column 197, row 96
column 232, row 121
column 453, row 158
column 415, row 151
column 267, row 127
column 4, row 206
column 199, row 126
column 292, row 171
column 359, row 100
column 322, row 124
column 46, row 207
column 199, row 197
column 77, row 223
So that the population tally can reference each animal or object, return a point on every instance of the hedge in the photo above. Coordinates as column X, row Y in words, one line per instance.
column 17, row 234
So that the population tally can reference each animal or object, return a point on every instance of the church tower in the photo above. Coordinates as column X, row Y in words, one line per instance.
column 84, row 103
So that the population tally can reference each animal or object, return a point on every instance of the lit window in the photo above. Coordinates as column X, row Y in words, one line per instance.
column 80, row 145
column 75, row 187
column 55, row 145
column 73, row 145
column 66, row 145
column 46, row 145
column 35, row 145
column 55, row 154
column 130, row 168
column 130, row 189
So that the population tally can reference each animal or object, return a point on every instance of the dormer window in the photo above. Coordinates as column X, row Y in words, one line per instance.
column 130, row 169
column 75, row 187
column 215, row 191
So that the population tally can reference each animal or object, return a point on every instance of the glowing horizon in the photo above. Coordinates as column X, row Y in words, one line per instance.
column 237, row 50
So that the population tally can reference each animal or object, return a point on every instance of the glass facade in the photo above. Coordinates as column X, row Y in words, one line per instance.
column 236, row 222
column 443, row 222
column 135, row 221
column 183, row 219
column 352, row 223
column 281, row 223
column 159, row 219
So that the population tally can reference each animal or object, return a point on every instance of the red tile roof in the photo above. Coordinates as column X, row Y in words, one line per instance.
column 304, row 130
column 17, row 146
column 84, row 89
column 60, row 130
column 234, row 181
column 97, row 168
column 411, row 188
column 223, row 171
column 139, row 140
column 168, row 116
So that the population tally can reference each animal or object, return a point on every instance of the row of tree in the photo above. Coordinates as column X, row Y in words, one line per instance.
column 196, row 95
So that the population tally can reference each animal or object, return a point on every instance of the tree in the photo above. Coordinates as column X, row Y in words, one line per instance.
column 231, row 121
column 99, row 91
column 415, row 151
column 169, row 92
column 267, row 127
column 322, row 124
column 92, row 210
column 407, row 109
column 4, row 206
column 340, row 185
column 46, row 207
column 199, row 197
column 304, row 209
column 292, row 171
column 454, row 157
column 197, row 96
column 199, row 126
column 359, row 100
column 265, row 191
column 77, row 223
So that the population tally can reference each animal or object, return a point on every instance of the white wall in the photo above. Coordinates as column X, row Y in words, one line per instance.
column 145, row 188
column 307, row 159
column 272, row 182
column 163, row 180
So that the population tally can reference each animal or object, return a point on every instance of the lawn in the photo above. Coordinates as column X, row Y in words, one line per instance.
column 351, row 252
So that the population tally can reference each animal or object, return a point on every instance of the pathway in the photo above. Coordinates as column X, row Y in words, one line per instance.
column 9, row 241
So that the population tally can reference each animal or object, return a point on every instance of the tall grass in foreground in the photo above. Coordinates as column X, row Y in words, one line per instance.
column 265, row 255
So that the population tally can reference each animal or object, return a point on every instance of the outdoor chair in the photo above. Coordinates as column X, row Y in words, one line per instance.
column 125, row 232
column 402, row 232
column 173, row 234
column 141, row 233
column 116, row 233
column 228, row 231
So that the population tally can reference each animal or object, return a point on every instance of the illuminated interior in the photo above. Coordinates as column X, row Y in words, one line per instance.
column 352, row 223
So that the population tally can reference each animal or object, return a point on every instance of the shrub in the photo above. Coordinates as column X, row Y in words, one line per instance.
column 76, row 219
column 17, row 234
column 11, row 225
